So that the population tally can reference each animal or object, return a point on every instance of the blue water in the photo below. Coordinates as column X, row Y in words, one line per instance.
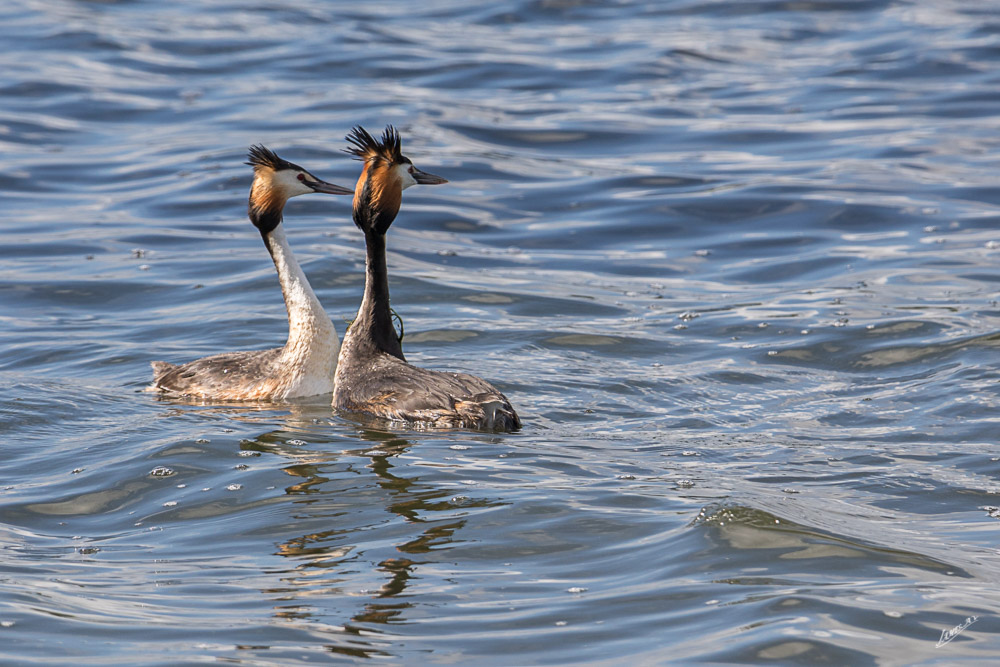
column 735, row 264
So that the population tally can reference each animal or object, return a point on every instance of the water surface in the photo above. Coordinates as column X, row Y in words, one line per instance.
column 734, row 263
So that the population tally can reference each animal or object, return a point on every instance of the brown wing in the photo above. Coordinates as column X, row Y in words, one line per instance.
column 230, row 375
column 397, row 390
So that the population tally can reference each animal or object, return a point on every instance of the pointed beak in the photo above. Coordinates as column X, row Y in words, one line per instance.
column 423, row 178
column 328, row 188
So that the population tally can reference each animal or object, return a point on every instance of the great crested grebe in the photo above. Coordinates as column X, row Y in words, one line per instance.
column 305, row 365
column 372, row 374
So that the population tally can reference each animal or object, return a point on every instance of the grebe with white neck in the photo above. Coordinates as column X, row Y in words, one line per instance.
column 306, row 364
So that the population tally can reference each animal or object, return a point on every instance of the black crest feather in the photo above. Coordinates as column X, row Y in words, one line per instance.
column 261, row 156
column 366, row 147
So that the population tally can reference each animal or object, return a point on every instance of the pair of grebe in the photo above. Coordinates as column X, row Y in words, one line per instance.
column 370, row 375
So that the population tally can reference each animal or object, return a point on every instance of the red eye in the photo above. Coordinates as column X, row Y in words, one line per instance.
column 301, row 177
column 410, row 170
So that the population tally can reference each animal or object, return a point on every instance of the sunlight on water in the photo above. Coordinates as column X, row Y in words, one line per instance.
column 733, row 263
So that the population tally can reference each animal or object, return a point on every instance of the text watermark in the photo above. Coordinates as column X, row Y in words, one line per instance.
column 948, row 635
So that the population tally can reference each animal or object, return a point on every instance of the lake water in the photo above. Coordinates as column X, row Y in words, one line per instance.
column 735, row 264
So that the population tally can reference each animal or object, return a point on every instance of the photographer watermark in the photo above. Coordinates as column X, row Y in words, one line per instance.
column 948, row 635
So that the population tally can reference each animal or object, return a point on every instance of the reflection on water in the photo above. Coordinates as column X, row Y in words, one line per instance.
column 327, row 562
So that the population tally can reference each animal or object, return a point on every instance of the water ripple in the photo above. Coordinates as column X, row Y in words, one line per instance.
column 734, row 263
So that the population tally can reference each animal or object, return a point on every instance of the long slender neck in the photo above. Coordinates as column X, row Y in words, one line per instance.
column 307, row 320
column 374, row 321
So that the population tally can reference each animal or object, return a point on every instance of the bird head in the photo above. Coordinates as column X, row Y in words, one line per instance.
column 386, row 173
column 275, row 182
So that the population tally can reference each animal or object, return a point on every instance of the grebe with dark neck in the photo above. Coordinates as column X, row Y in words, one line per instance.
column 372, row 374
column 305, row 365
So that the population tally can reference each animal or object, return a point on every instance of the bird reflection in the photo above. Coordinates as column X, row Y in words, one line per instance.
column 334, row 488
column 345, row 508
